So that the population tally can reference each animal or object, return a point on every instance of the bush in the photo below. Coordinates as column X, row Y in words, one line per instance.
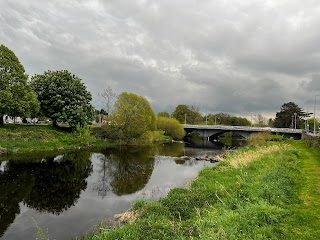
column 259, row 139
column 110, row 132
column 152, row 136
column 171, row 127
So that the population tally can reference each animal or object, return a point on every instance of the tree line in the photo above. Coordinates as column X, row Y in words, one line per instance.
column 289, row 116
column 62, row 96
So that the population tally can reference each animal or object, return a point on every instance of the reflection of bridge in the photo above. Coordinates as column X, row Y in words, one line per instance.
column 213, row 131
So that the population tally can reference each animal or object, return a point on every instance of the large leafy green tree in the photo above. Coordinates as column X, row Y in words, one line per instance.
column 133, row 116
column 163, row 115
column 16, row 95
column 289, row 115
column 189, row 113
column 63, row 97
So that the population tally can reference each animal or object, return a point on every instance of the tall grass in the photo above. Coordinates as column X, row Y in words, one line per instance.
column 259, row 139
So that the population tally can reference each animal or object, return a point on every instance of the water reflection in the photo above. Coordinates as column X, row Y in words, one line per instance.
column 217, row 144
column 58, row 184
column 46, row 185
column 14, row 187
column 124, row 172
column 86, row 186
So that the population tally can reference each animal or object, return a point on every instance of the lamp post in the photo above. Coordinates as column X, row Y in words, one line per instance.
column 306, row 119
column 206, row 118
column 295, row 120
column 185, row 119
column 251, row 118
column 314, row 114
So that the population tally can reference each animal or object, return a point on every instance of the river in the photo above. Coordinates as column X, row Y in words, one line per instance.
column 66, row 194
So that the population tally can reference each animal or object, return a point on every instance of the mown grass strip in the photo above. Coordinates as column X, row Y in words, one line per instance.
column 304, row 219
column 267, row 193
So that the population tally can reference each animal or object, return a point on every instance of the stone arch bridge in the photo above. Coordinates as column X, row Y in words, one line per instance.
column 213, row 131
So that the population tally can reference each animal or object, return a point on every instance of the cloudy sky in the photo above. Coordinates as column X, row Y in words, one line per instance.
column 234, row 56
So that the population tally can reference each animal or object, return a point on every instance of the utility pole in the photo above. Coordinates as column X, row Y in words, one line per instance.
column 314, row 114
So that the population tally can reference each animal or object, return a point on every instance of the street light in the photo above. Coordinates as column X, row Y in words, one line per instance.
column 185, row 119
column 306, row 119
column 295, row 120
column 314, row 114
column 251, row 118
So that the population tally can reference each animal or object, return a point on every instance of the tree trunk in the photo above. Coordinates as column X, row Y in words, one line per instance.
column 54, row 123
column 1, row 120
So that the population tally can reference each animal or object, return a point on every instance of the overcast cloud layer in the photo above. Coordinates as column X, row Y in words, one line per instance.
column 237, row 56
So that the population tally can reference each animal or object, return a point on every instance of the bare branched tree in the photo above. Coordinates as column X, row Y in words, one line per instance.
column 107, row 97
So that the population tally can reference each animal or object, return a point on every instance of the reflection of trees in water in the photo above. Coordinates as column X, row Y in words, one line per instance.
column 14, row 186
column 187, row 162
column 124, row 172
column 171, row 149
column 102, row 185
column 50, row 185
column 59, row 184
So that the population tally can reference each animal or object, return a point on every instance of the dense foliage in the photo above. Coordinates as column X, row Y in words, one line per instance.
column 290, row 115
column 63, row 97
column 171, row 127
column 187, row 114
column 227, row 119
column 132, row 117
column 163, row 114
column 16, row 96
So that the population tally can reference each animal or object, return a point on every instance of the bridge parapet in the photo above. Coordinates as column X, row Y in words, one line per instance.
column 243, row 128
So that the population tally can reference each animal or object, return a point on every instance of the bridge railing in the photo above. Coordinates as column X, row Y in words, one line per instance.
column 243, row 128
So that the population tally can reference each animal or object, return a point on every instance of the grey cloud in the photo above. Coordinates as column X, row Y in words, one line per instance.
column 313, row 85
column 237, row 57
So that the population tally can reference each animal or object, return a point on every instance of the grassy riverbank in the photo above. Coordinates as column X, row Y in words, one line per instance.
column 27, row 138
column 270, row 192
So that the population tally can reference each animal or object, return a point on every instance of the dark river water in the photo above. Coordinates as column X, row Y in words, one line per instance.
column 66, row 194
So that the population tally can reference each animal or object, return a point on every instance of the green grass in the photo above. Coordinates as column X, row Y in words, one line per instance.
column 27, row 138
column 270, row 192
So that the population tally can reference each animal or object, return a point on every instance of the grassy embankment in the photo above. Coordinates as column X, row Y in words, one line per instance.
column 269, row 192
column 26, row 138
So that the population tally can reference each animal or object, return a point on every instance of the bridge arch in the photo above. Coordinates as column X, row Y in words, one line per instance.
column 215, row 133
column 242, row 134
